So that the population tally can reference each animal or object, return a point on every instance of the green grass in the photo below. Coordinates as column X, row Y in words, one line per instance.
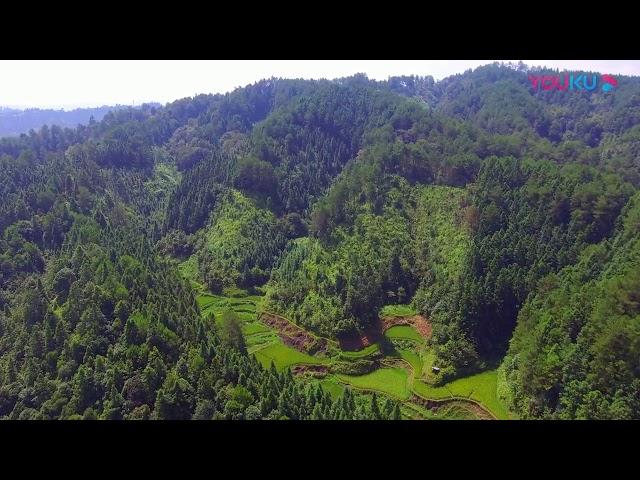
column 481, row 387
column 258, row 340
column 397, row 311
column 246, row 306
column 284, row 357
column 255, row 327
column 333, row 387
column 205, row 299
column 427, row 391
column 392, row 381
column 414, row 360
column 428, row 358
column 365, row 352
column 405, row 332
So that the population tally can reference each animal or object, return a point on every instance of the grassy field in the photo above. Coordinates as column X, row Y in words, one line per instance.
column 284, row 356
column 254, row 328
column 392, row 381
column 332, row 386
column 428, row 358
column 434, row 393
column 406, row 332
column 397, row 311
column 481, row 387
column 414, row 360
column 365, row 352
column 246, row 307
column 258, row 340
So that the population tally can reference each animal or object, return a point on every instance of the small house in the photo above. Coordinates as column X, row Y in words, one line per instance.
column 435, row 369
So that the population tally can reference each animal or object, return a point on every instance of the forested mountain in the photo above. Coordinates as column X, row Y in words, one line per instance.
column 506, row 217
column 14, row 122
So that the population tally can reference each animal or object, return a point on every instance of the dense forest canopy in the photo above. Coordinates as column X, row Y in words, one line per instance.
column 508, row 217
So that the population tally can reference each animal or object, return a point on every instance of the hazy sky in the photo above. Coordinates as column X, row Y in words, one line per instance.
column 75, row 83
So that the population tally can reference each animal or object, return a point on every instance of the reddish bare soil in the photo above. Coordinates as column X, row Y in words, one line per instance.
column 355, row 341
column 294, row 336
column 420, row 323
column 301, row 369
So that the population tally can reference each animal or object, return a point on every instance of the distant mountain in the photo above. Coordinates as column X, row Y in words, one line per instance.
column 13, row 122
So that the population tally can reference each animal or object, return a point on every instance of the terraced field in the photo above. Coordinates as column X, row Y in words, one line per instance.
column 404, row 332
column 392, row 381
column 359, row 354
column 403, row 375
column 283, row 356
column 481, row 387
column 244, row 305
column 413, row 359
column 257, row 335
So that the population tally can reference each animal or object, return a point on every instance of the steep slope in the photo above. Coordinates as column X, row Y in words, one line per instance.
column 576, row 350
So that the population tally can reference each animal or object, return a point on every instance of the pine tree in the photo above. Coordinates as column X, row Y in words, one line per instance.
column 375, row 410
column 388, row 409
column 396, row 413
